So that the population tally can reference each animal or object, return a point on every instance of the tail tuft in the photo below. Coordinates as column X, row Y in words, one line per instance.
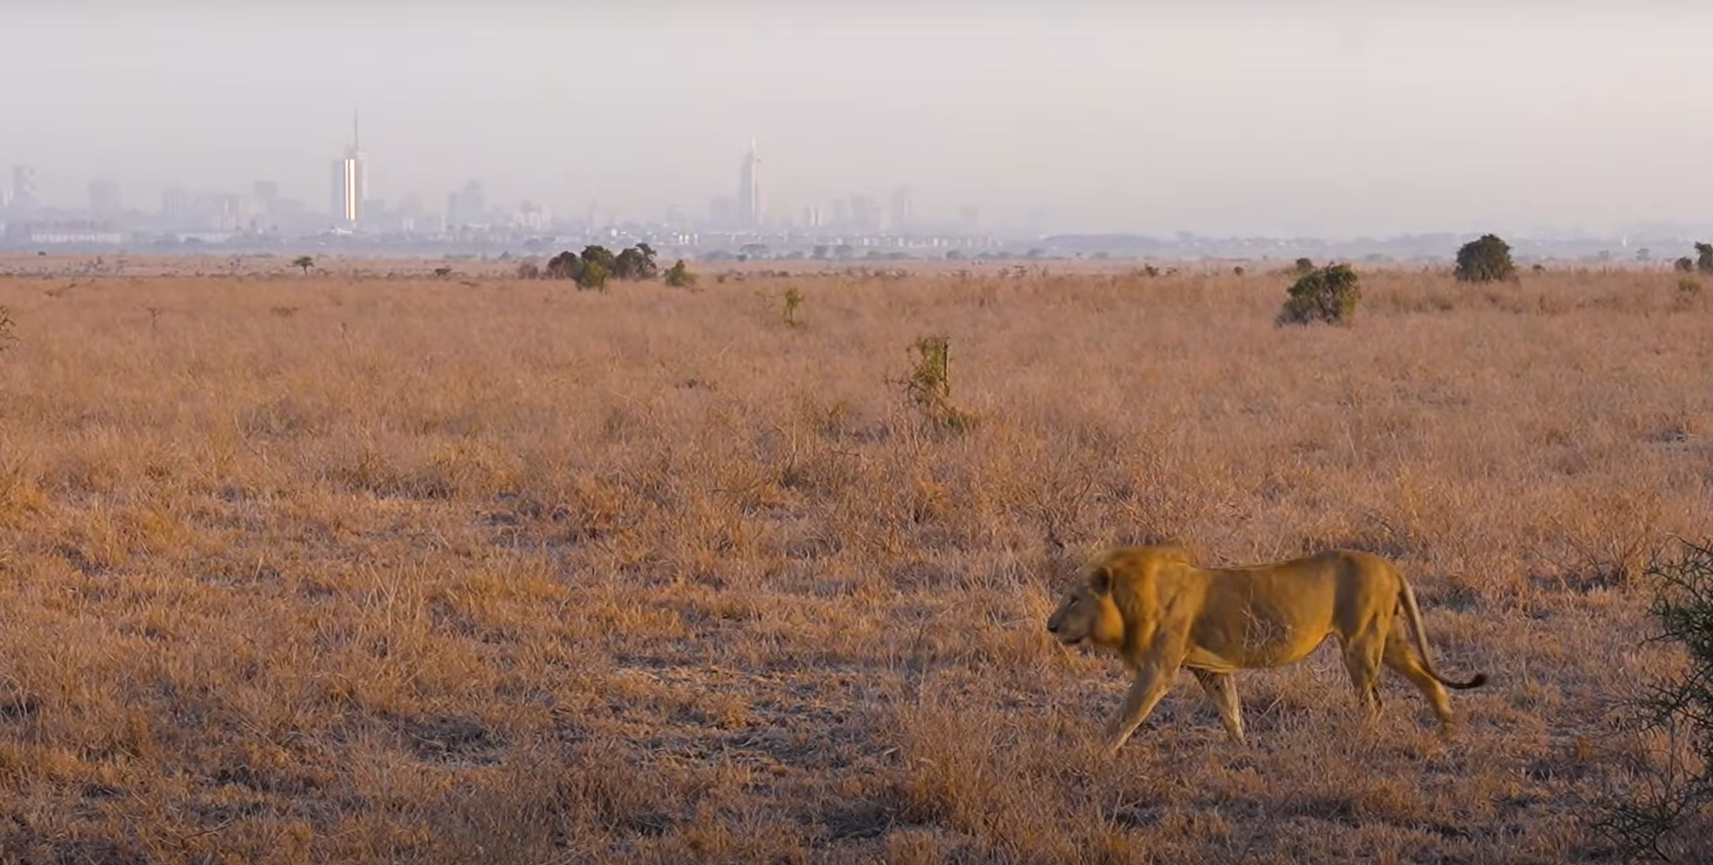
column 1479, row 680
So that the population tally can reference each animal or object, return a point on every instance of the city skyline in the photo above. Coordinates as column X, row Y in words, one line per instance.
column 1312, row 118
column 353, row 207
column 263, row 208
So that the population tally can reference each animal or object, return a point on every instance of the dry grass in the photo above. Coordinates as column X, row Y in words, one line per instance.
column 325, row 570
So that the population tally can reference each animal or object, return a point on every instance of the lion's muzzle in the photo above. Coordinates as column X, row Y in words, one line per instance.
column 1054, row 627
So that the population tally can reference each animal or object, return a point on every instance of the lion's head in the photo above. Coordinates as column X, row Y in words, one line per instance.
column 1097, row 605
column 1087, row 612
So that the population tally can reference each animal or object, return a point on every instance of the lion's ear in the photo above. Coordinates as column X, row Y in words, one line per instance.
column 1100, row 580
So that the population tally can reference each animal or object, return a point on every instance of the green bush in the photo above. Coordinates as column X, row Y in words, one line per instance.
column 1487, row 259
column 1329, row 294
column 635, row 263
column 1670, row 814
column 1304, row 267
column 593, row 274
column 565, row 265
column 1684, row 265
column 1704, row 257
column 928, row 387
column 679, row 275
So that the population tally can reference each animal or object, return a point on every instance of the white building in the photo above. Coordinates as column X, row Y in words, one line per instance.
column 750, row 210
column 350, row 181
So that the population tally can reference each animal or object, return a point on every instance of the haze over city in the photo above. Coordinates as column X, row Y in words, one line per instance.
column 1317, row 119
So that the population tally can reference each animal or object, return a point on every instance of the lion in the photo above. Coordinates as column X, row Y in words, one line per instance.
column 1158, row 611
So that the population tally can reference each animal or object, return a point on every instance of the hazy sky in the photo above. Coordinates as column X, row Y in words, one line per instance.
column 1217, row 117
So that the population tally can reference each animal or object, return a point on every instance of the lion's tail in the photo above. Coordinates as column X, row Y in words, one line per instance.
column 1415, row 614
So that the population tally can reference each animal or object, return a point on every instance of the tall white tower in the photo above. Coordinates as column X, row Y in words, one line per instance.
column 749, row 189
column 351, row 179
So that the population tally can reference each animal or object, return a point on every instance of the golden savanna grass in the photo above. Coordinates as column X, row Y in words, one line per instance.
column 333, row 569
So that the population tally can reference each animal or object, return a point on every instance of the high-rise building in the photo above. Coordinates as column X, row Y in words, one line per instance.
column 104, row 200
column 177, row 203
column 467, row 206
column 865, row 213
column 749, row 189
column 24, row 187
column 902, row 218
column 532, row 217
column 351, row 180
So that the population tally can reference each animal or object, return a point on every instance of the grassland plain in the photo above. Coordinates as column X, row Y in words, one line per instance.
column 334, row 569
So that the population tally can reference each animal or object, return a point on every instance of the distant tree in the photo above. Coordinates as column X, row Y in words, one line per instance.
column 1486, row 259
column 1304, row 267
column 1644, row 254
column 954, row 255
column 1329, row 294
column 1704, row 257
column 1035, row 253
column 443, row 272
column 601, row 255
column 304, row 262
column 844, row 250
column 593, row 275
column 633, row 264
column 1684, row 265
column 529, row 270
column 565, row 265
column 819, row 253
column 753, row 250
column 1237, row 271
column 679, row 275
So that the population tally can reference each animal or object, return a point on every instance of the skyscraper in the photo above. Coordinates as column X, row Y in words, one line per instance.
column 351, row 180
column 902, row 217
column 749, row 189
column 468, row 206
column 104, row 199
column 24, row 187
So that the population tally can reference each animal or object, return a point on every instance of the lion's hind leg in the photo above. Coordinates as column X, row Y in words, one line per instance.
column 1401, row 656
column 1221, row 688
column 1362, row 657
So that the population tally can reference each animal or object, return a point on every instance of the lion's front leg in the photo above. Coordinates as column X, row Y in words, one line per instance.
column 1152, row 682
column 1221, row 688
